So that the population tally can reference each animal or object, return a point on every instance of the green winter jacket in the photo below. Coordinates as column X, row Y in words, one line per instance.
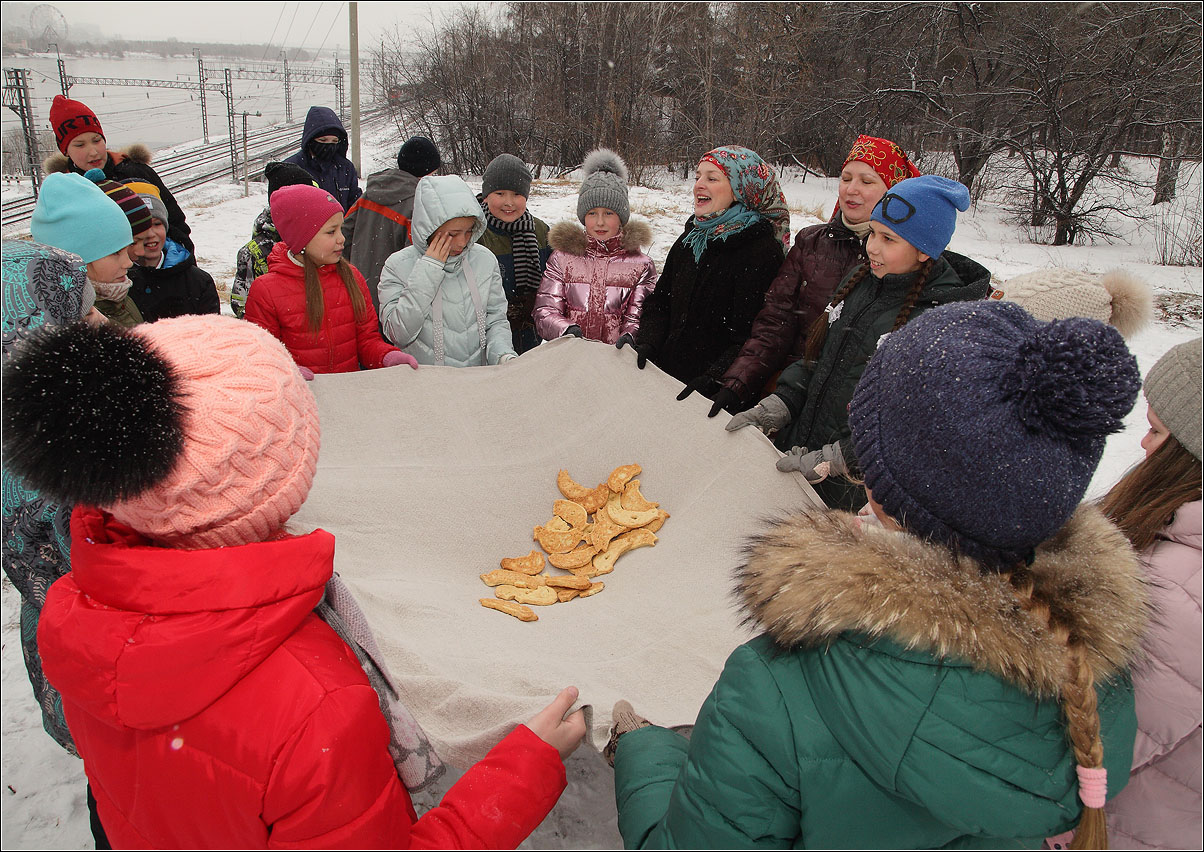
column 818, row 394
column 898, row 698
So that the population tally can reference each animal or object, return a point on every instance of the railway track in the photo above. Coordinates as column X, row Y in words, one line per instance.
column 204, row 164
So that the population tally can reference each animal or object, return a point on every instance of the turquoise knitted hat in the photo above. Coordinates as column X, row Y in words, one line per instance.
column 75, row 215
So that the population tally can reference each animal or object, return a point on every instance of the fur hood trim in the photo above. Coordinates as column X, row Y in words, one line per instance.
column 822, row 572
column 569, row 237
column 137, row 152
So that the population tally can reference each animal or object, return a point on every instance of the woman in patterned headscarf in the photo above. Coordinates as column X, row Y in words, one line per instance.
column 716, row 274
column 42, row 286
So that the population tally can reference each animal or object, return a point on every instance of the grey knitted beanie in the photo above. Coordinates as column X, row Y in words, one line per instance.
column 1172, row 389
column 506, row 171
column 605, row 185
column 977, row 426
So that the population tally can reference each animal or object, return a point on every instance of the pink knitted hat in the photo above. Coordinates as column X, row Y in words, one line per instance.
column 196, row 431
column 250, row 430
column 299, row 212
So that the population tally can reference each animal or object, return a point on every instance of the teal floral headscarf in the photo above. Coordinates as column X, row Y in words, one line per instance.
column 758, row 196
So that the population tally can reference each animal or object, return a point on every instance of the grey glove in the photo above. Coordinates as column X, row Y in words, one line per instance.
column 769, row 415
column 815, row 465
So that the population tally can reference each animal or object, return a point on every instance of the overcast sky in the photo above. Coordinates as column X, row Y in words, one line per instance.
column 293, row 24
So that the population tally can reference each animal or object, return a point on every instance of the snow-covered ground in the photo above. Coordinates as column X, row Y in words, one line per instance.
column 43, row 799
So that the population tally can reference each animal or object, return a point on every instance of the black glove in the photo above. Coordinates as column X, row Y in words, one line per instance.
column 572, row 331
column 705, row 385
column 724, row 398
column 641, row 352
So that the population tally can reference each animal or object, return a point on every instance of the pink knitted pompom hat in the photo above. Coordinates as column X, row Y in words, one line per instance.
column 251, row 437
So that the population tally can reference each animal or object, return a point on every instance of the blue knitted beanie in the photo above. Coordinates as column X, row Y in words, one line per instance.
column 977, row 426
column 923, row 211
column 75, row 215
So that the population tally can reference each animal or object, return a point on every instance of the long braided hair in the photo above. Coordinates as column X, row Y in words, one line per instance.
column 1078, row 700
column 819, row 328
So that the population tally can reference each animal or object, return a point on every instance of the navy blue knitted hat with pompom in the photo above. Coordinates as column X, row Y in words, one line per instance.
column 977, row 426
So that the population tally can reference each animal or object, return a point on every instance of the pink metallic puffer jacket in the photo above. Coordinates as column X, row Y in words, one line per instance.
column 598, row 286
column 1160, row 807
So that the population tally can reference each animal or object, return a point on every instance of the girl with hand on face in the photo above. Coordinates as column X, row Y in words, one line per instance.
column 597, row 277
column 815, row 265
column 312, row 299
column 1157, row 505
column 716, row 274
column 907, row 271
column 82, row 146
column 518, row 239
column 441, row 298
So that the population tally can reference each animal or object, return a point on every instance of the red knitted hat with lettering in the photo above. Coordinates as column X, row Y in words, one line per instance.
column 69, row 119
column 299, row 212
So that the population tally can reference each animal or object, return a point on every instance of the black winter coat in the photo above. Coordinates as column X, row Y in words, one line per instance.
column 818, row 261
column 700, row 314
column 818, row 394
column 337, row 175
column 182, row 288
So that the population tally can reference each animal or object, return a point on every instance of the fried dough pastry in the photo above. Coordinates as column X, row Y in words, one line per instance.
column 626, row 517
column 543, row 596
column 532, row 563
column 522, row 613
column 620, row 476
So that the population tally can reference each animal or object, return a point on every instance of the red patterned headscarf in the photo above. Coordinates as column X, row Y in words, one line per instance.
column 884, row 157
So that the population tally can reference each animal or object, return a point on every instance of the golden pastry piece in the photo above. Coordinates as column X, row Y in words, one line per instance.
column 570, row 488
column 572, row 513
column 575, row 558
column 566, row 595
column 626, row 517
column 605, row 529
column 655, row 526
column 532, row 563
column 596, row 499
column 522, row 613
column 543, row 596
column 604, row 563
column 593, row 589
column 633, row 500
column 620, row 476
column 558, row 541
column 558, row 524
column 502, row 577
column 568, row 582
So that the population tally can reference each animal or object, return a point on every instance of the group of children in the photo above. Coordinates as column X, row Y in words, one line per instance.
column 949, row 665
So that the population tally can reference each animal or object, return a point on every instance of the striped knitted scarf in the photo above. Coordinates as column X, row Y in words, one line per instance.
column 523, row 245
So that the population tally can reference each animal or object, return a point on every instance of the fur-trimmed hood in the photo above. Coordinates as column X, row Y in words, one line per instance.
column 569, row 237
column 822, row 572
column 137, row 152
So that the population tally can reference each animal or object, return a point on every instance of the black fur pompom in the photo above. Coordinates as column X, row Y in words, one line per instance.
column 91, row 414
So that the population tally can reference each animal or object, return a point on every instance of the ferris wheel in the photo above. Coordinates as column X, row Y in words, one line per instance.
column 47, row 25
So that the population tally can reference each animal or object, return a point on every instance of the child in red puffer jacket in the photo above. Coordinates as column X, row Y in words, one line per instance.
column 312, row 299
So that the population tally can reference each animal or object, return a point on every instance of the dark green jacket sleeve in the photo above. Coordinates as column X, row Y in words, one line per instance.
column 733, row 785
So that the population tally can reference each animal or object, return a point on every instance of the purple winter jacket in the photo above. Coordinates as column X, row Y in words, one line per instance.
column 1160, row 807
column 599, row 287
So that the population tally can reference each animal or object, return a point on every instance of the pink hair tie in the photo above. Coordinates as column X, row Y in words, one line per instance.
column 1093, row 786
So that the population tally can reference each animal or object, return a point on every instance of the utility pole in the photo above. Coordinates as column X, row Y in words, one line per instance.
column 200, row 75
column 246, row 162
column 230, row 122
column 63, row 84
column 288, row 91
column 353, row 18
column 16, row 98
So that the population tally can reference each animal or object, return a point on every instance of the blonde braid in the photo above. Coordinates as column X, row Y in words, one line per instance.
column 1079, row 705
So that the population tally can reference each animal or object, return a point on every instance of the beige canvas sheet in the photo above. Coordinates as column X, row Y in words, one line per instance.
column 427, row 478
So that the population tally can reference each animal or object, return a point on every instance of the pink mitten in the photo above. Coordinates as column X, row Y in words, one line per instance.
column 392, row 359
column 306, row 373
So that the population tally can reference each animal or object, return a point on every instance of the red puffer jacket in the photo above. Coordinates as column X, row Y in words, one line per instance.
column 213, row 709
column 276, row 301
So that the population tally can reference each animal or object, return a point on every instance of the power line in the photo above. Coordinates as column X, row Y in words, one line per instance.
column 268, row 46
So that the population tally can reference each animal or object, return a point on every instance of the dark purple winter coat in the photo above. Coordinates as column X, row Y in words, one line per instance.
column 337, row 176
column 815, row 265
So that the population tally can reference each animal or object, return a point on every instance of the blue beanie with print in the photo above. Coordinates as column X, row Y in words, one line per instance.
column 75, row 215
column 923, row 211
column 977, row 426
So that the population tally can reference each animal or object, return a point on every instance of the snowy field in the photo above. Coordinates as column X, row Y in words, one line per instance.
column 43, row 799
